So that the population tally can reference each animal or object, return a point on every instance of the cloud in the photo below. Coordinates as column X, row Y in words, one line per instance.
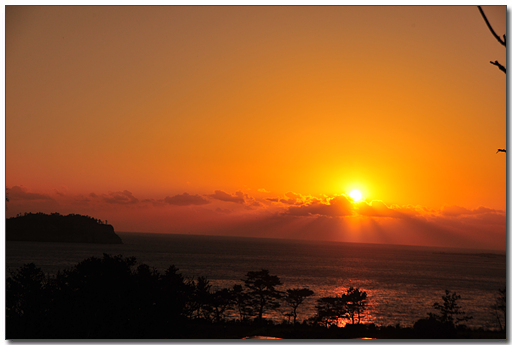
column 291, row 216
column 253, row 203
column 263, row 190
column 22, row 193
column 335, row 207
column 80, row 200
column 153, row 202
column 124, row 198
column 456, row 211
column 21, row 200
column 61, row 191
column 186, row 199
column 463, row 217
column 293, row 198
column 289, row 201
column 377, row 208
column 238, row 197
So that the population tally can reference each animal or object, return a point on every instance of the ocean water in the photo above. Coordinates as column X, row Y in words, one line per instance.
column 402, row 282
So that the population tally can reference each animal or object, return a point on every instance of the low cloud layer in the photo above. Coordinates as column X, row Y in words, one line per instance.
column 456, row 211
column 124, row 198
column 378, row 208
column 238, row 197
column 186, row 199
column 338, row 206
column 22, row 193
column 291, row 215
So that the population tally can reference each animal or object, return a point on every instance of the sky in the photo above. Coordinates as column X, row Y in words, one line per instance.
column 260, row 121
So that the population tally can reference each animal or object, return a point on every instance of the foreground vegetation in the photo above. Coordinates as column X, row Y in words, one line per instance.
column 112, row 298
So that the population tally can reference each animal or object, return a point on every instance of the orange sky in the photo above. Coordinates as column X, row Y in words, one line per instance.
column 257, row 121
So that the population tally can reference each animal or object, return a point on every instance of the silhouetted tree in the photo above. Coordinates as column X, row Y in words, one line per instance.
column 500, row 308
column 450, row 311
column 202, row 298
column 108, row 298
column 262, row 291
column 330, row 310
column 27, row 302
column 96, row 298
column 146, row 288
column 349, row 305
column 295, row 297
column 242, row 302
column 355, row 301
column 220, row 302
column 177, row 293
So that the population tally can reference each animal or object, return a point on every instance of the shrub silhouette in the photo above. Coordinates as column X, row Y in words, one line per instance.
column 432, row 328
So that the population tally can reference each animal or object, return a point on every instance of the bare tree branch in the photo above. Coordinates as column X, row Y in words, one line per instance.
column 500, row 66
column 502, row 41
column 495, row 63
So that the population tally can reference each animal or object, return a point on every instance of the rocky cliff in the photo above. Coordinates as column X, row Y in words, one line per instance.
column 54, row 227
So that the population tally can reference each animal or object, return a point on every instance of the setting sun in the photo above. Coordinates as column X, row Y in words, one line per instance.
column 356, row 195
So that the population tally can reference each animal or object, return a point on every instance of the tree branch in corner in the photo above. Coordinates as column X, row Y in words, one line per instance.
column 502, row 41
column 500, row 66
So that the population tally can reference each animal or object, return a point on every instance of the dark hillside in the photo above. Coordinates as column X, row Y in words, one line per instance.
column 55, row 227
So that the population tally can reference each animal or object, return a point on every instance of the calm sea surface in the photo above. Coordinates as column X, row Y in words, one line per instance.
column 402, row 281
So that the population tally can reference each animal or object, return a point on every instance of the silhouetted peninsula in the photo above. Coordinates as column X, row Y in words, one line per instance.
column 55, row 227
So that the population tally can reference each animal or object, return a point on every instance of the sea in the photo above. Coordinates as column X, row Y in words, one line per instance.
column 402, row 282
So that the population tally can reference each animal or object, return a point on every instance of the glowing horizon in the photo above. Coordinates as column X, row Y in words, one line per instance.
column 261, row 121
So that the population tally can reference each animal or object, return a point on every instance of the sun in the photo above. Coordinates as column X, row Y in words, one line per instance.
column 355, row 195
